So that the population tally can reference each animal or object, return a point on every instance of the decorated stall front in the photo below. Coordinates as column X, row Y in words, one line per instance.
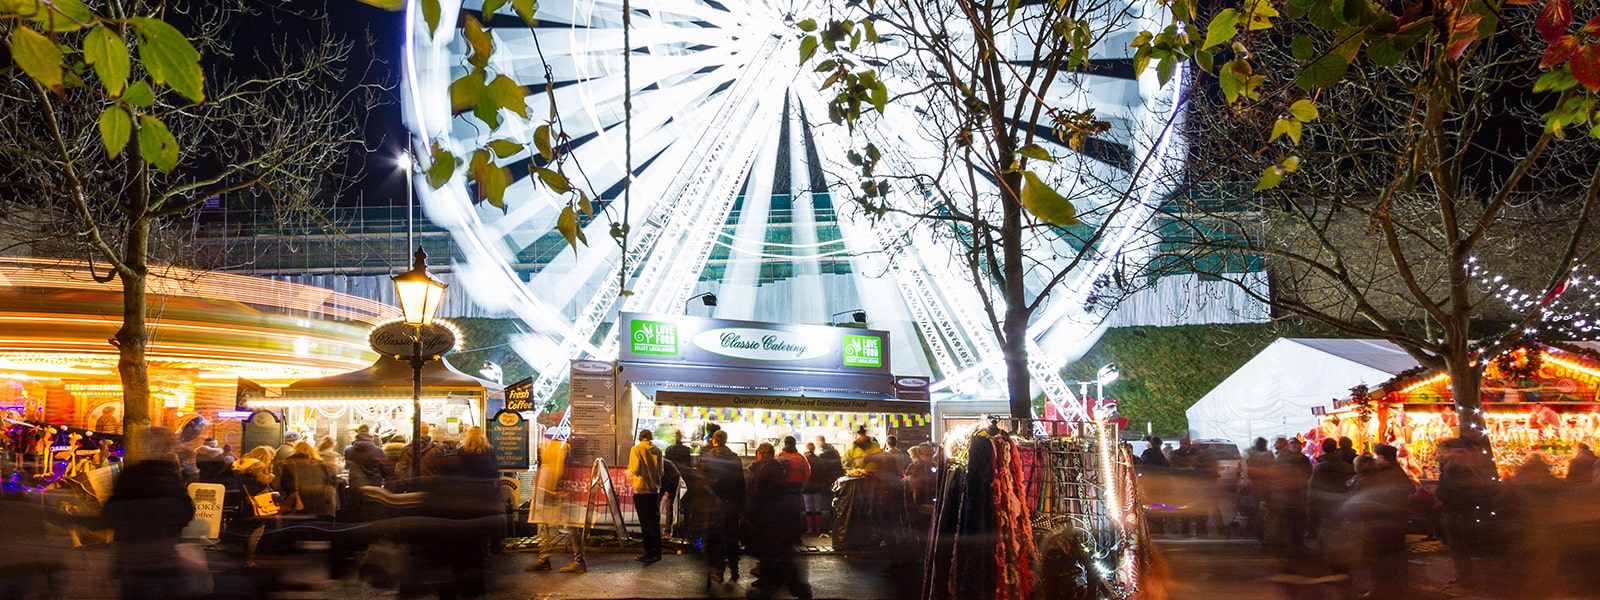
column 1539, row 397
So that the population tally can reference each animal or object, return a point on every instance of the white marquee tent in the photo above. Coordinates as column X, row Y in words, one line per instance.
column 1273, row 393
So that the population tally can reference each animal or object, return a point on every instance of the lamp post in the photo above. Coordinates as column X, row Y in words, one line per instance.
column 419, row 295
column 1103, row 378
column 706, row 298
column 856, row 314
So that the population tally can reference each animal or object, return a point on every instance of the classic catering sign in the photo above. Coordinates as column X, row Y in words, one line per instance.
column 680, row 339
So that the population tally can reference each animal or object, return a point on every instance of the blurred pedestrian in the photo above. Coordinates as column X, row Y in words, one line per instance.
column 555, row 531
column 208, row 460
column 305, row 480
column 825, row 470
column 1330, row 488
column 775, row 524
column 855, row 457
column 1153, row 456
column 1467, row 493
column 1581, row 470
column 287, row 448
column 1378, row 512
column 644, row 472
column 797, row 471
column 726, row 474
column 1533, row 542
column 679, row 457
column 330, row 455
column 367, row 466
column 1347, row 450
column 147, row 512
column 922, row 486
column 1287, row 506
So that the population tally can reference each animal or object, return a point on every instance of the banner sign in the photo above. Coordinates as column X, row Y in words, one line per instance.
column 682, row 339
column 519, row 396
column 508, row 437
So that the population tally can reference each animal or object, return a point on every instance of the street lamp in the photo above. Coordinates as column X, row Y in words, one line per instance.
column 1103, row 378
column 706, row 298
column 419, row 296
column 856, row 314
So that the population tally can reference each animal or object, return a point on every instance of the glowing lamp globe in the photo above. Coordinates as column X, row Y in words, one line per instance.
column 419, row 293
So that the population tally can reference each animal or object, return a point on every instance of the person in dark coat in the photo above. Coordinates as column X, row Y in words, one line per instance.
column 1581, row 470
column 678, row 458
column 826, row 468
column 1152, row 456
column 1467, row 491
column 366, row 465
column 147, row 512
column 775, row 522
column 1377, row 511
column 725, row 472
column 305, row 474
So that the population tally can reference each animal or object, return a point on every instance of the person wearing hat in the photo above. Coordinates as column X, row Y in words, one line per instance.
column 856, row 456
column 287, row 449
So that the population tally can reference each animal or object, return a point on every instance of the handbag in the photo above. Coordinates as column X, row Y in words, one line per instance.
column 264, row 504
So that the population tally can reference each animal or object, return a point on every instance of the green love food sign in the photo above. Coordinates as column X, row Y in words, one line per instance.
column 653, row 337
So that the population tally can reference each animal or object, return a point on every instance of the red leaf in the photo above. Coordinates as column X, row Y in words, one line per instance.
column 1592, row 27
column 1554, row 19
column 1586, row 67
column 1559, row 52
column 1458, row 46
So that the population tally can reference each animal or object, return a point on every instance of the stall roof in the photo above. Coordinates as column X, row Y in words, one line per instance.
column 385, row 378
column 1272, row 394
column 779, row 399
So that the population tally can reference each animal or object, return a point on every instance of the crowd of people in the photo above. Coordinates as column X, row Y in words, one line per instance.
column 763, row 509
column 1337, row 516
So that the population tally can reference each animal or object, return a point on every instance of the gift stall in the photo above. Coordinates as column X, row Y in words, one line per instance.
column 1537, row 397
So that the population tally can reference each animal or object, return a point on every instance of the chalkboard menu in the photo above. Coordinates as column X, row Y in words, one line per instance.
column 262, row 429
column 508, row 436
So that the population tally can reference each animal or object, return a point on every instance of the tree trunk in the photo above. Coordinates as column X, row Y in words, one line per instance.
column 132, row 341
column 1466, row 385
column 1014, row 339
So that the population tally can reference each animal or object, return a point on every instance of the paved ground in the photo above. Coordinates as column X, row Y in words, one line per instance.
column 1200, row 569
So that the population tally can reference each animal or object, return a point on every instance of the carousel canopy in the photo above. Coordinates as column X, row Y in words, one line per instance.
column 387, row 378
column 1273, row 393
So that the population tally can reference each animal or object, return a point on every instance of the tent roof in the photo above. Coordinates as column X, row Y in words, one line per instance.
column 1382, row 355
column 1272, row 394
column 390, row 375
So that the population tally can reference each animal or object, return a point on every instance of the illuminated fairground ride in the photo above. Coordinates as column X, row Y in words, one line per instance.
column 209, row 331
column 733, row 155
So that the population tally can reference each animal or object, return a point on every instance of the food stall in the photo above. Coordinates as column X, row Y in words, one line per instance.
column 1539, row 397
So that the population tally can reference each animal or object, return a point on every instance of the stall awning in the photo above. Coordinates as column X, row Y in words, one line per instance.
column 775, row 399
column 386, row 379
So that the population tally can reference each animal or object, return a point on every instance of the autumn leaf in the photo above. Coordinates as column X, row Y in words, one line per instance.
column 106, row 52
column 1586, row 67
column 1554, row 19
column 157, row 144
column 38, row 57
column 115, row 127
column 1560, row 51
column 1045, row 203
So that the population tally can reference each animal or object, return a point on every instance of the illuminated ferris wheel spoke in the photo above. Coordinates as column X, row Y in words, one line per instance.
column 729, row 136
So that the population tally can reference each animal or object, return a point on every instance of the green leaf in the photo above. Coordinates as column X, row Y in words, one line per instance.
column 478, row 41
column 115, row 127
column 1270, row 178
column 1045, row 203
column 1232, row 78
column 492, row 179
column 504, row 148
column 1303, row 110
column 170, row 58
column 38, row 57
column 1259, row 14
column 139, row 95
column 1290, row 164
column 504, row 93
column 880, row 96
column 553, row 179
column 1206, row 60
column 1594, row 132
column 1558, row 80
column 567, row 224
column 541, row 140
column 525, row 9
column 808, row 25
column 389, row 5
column 1141, row 59
column 584, row 204
column 490, row 7
column 1036, row 152
column 1302, row 48
column 1382, row 52
column 107, row 53
column 157, row 143
column 1222, row 28
column 1289, row 127
column 443, row 167
column 64, row 16
column 465, row 90
column 871, row 29
column 430, row 14
column 1327, row 14
column 808, row 47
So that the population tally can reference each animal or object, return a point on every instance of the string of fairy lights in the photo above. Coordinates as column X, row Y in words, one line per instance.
column 1568, row 311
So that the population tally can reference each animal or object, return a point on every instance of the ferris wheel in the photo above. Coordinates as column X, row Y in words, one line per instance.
column 733, row 155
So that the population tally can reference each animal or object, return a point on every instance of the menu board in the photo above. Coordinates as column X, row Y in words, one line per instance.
column 508, row 437
column 593, row 416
